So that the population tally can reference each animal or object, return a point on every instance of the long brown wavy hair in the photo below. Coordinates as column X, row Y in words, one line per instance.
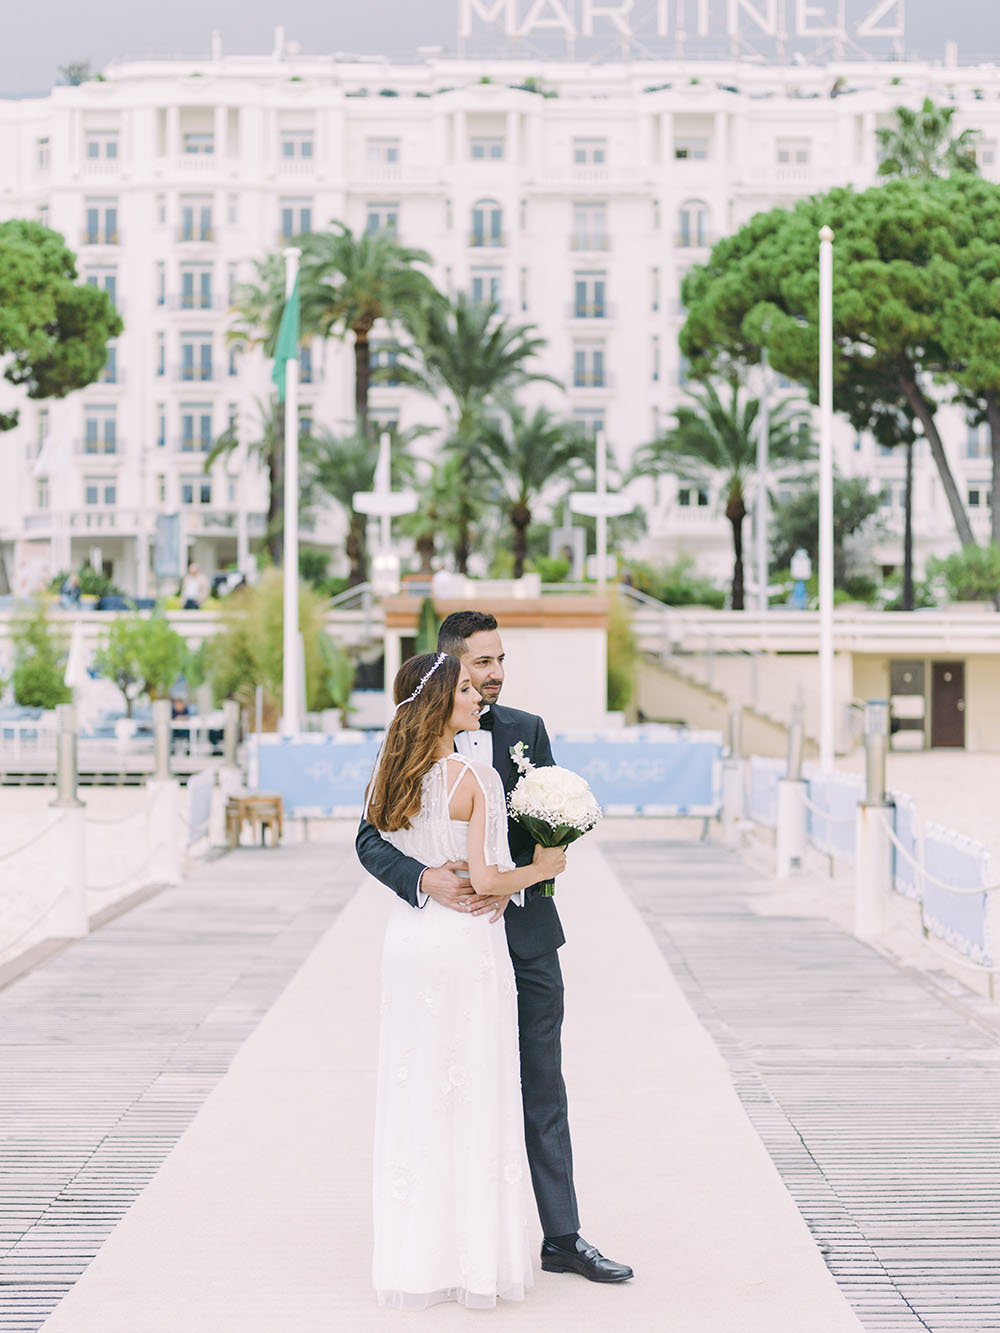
column 412, row 738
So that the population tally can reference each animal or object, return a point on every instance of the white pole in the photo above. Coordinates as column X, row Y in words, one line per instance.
column 602, row 522
column 383, row 482
column 826, row 497
column 242, row 516
column 763, row 447
column 291, row 706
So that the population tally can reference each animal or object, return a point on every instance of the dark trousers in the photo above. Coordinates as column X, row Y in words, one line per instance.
column 543, row 1092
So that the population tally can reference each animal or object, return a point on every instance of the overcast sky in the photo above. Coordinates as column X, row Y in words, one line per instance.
column 40, row 35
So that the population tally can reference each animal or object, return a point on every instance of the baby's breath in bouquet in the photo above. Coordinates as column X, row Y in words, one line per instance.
column 554, row 805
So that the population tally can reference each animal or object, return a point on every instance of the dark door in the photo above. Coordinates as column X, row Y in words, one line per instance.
column 948, row 704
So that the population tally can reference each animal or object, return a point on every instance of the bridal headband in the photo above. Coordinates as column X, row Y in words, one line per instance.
column 423, row 681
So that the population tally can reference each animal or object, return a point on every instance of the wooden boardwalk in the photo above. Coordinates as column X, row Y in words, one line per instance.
column 109, row 1050
column 876, row 1091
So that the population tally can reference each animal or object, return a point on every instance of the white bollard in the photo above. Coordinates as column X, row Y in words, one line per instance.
column 790, row 837
column 872, row 869
column 68, row 918
column 164, row 838
column 872, row 844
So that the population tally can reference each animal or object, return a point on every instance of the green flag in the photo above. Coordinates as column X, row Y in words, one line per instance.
column 287, row 347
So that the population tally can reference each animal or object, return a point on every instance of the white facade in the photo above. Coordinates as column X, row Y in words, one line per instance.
column 579, row 210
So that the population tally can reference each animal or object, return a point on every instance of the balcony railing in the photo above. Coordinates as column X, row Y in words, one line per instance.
column 194, row 444
column 196, row 234
column 481, row 240
column 195, row 374
column 195, row 301
column 296, row 167
column 594, row 242
column 99, row 448
column 100, row 236
column 100, row 166
column 590, row 379
column 590, row 310
column 111, row 375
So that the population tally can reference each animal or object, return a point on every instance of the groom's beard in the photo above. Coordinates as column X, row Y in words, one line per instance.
column 490, row 689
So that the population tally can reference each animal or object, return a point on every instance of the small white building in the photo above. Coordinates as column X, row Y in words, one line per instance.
column 579, row 207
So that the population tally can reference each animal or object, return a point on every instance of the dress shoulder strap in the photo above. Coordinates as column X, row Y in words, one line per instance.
column 466, row 764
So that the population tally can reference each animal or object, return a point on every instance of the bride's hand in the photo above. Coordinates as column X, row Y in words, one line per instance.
column 549, row 861
column 494, row 904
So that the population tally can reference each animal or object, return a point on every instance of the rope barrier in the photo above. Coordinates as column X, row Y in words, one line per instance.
column 121, row 819
column 825, row 814
column 9, row 944
column 33, row 839
column 926, row 874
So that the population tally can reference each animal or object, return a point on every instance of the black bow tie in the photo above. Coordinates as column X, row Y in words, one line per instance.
column 486, row 721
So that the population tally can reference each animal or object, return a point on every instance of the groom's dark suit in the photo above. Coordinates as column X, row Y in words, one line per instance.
column 533, row 936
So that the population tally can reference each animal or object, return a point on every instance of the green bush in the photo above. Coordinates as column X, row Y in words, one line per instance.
column 39, row 661
column 677, row 583
column 552, row 568
column 971, row 574
column 623, row 653
column 314, row 567
column 143, row 655
column 93, row 582
column 249, row 650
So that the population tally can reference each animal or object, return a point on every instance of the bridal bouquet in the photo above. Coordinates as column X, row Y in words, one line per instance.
column 554, row 805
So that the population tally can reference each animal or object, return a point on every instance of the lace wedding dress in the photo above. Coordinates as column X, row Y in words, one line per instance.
column 450, row 1172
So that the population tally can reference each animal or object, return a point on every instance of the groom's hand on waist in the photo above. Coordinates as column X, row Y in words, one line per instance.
column 448, row 885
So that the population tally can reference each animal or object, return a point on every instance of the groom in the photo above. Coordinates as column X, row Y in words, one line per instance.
column 533, row 936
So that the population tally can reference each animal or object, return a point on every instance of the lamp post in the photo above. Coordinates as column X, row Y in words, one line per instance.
column 826, row 497
column 602, row 505
column 291, row 683
column 763, row 448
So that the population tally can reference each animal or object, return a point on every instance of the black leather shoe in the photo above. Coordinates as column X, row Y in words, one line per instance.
column 584, row 1259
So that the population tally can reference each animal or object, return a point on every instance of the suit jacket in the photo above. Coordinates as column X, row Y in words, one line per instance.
column 532, row 930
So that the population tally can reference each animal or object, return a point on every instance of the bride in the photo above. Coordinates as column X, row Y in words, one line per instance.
column 449, row 1160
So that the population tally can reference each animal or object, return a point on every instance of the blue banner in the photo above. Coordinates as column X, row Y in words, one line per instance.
column 632, row 773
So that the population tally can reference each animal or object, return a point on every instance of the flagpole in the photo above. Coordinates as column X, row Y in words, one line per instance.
column 826, row 721
column 291, row 701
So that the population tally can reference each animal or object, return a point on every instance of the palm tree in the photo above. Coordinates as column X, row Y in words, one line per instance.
column 713, row 440
column 470, row 357
column 337, row 467
column 921, row 144
column 268, row 448
column 438, row 512
column 525, row 455
column 349, row 282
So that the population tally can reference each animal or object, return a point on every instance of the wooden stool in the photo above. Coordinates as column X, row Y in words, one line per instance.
column 262, row 810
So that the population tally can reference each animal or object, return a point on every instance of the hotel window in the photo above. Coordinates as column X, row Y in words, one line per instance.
column 231, row 366
column 305, row 365
column 305, row 423
column 161, row 489
column 986, row 152
column 381, row 217
column 196, row 219
column 383, row 358
column 296, row 218
column 589, row 296
column 105, row 279
column 977, row 442
column 656, row 359
column 232, row 281
column 692, row 497
column 199, row 141
column 792, row 152
column 232, row 209
column 296, row 144
column 35, row 448
column 43, row 214
column 160, row 355
column 101, row 144
column 523, row 288
column 100, row 490
column 590, row 152
column 589, row 420
column 590, row 227
column 384, row 418
column 42, row 493
column 161, row 425
column 101, row 226
column 196, row 428
column 588, row 366
column 382, row 152
column 692, row 224
column 43, row 154
column 979, row 495
column 109, row 371
column 486, row 285
column 196, row 356
column 196, row 287
column 487, row 223
column 691, row 148
column 161, row 283
column 100, row 430
column 161, row 208
column 486, row 148
column 231, row 490
column 232, row 412
column 196, row 491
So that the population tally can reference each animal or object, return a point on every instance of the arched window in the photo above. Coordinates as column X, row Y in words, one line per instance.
column 487, row 223
column 693, row 223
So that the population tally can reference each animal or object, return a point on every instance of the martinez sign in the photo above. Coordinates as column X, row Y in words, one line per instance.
column 646, row 21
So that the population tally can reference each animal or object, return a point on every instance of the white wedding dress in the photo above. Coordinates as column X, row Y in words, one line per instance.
column 450, row 1171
